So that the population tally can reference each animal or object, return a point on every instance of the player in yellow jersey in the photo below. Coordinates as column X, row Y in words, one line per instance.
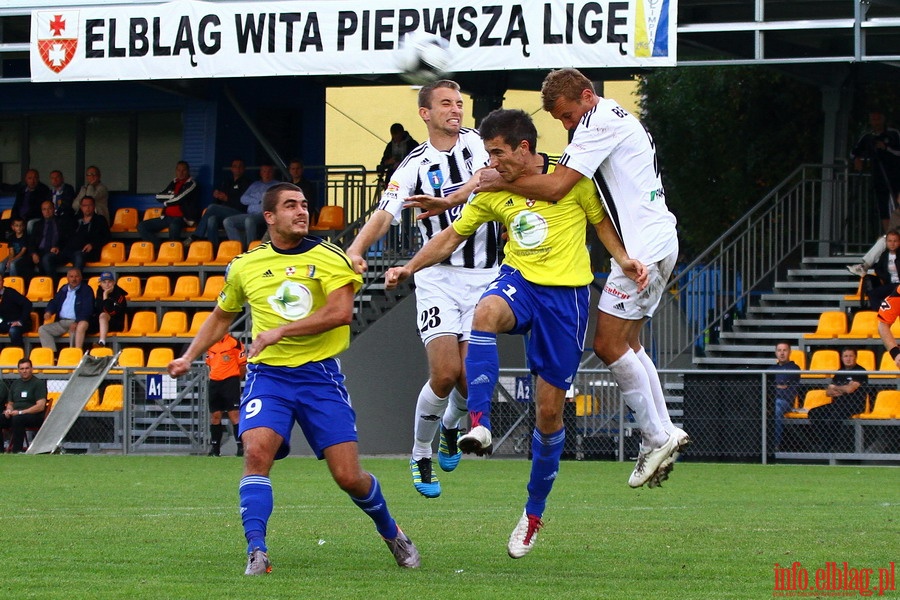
column 542, row 289
column 300, row 290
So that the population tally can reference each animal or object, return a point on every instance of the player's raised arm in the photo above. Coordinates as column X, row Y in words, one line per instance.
column 437, row 249
column 434, row 206
column 213, row 329
column 377, row 225
column 551, row 186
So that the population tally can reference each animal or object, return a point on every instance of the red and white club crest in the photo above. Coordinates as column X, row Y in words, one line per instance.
column 57, row 38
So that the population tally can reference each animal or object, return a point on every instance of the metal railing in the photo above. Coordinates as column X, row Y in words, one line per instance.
column 818, row 209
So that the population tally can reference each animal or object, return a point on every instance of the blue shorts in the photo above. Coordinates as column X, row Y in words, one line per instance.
column 313, row 395
column 555, row 316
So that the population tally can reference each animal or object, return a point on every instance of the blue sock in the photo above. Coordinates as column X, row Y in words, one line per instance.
column 545, row 452
column 255, row 492
column 375, row 506
column 482, row 372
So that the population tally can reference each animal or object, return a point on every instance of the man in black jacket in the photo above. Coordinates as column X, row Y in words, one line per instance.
column 73, row 306
column 15, row 314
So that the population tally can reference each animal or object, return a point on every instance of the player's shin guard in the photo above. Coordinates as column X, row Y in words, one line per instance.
column 659, row 398
column 545, row 452
column 375, row 506
column 482, row 371
column 634, row 384
column 429, row 408
column 457, row 410
column 256, row 498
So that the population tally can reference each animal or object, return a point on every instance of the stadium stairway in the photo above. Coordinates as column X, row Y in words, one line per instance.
column 791, row 309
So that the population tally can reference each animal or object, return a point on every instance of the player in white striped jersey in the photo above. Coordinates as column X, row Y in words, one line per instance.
column 446, row 294
column 613, row 148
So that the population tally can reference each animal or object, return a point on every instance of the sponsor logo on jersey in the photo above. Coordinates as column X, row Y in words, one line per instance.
column 268, row 273
column 310, row 271
column 615, row 291
column 393, row 186
column 292, row 300
column 528, row 229
column 510, row 202
column 529, row 202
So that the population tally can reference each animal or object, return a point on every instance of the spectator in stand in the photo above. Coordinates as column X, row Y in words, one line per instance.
column 26, row 401
column 181, row 201
column 62, row 194
column 96, row 189
column 880, row 148
column 784, row 386
column 18, row 262
column 72, row 306
column 310, row 192
column 396, row 150
column 226, row 203
column 85, row 241
column 246, row 228
column 110, row 305
column 46, row 238
column 15, row 314
column 887, row 272
column 227, row 364
column 29, row 196
column 847, row 391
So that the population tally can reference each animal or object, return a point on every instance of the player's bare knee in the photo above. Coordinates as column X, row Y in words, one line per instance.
column 355, row 482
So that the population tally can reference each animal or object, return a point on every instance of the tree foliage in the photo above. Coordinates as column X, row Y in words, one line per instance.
column 725, row 137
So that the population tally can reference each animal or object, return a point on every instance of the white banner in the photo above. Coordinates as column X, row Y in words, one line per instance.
column 189, row 39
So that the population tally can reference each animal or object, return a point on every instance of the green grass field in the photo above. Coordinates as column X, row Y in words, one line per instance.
column 79, row 527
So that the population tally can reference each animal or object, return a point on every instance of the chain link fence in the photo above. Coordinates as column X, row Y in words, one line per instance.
column 728, row 413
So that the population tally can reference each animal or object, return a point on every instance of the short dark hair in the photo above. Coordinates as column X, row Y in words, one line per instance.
column 270, row 198
column 510, row 124
column 427, row 90
column 22, row 361
column 397, row 128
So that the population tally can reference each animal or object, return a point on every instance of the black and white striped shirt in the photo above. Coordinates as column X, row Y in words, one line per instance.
column 427, row 170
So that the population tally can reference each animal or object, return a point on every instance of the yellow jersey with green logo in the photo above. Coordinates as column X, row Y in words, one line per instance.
column 546, row 239
column 282, row 286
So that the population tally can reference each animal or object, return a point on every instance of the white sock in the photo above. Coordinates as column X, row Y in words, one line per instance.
column 429, row 409
column 659, row 398
column 634, row 384
column 456, row 412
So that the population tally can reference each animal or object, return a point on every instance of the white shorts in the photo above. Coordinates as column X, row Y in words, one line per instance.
column 620, row 297
column 446, row 298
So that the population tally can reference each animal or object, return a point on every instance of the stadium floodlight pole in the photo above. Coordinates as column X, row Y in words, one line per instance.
column 267, row 146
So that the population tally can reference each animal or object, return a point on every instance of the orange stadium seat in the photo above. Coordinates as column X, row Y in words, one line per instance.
column 154, row 212
column 832, row 323
column 199, row 253
column 799, row 357
column 174, row 323
column 331, row 217
column 112, row 254
column 887, row 406
column 125, row 220
column 864, row 325
column 40, row 289
column 41, row 358
column 823, row 360
column 887, row 368
column 212, row 287
column 139, row 254
column 160, row 356
column 812, row 399
column 14, row 282
column 197, row 321
column 156, row 288
column 170, row 253
column 187, row 287
column 131, row 285
column 227, row 250
column 142, row 323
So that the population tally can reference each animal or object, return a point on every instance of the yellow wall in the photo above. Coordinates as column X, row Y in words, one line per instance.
column 358, row 119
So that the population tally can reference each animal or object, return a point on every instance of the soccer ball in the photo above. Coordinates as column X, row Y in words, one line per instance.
column 423, row 57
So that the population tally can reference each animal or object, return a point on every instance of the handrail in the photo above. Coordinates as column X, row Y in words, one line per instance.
column 788, row 223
